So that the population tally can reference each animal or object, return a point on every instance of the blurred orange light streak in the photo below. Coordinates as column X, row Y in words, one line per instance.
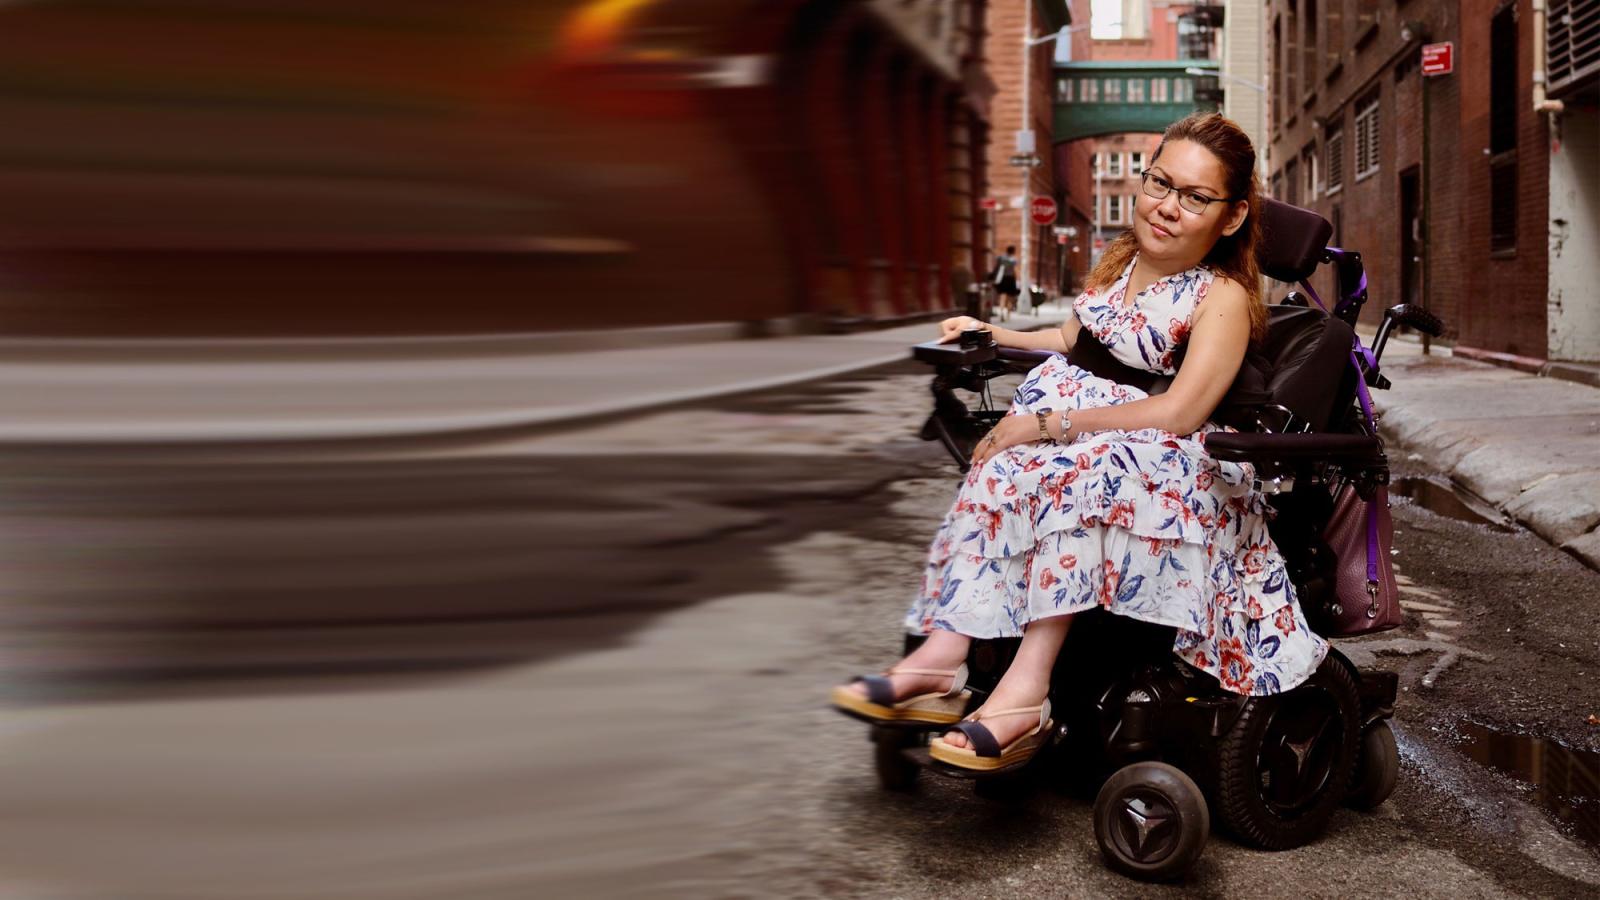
column 596, row 26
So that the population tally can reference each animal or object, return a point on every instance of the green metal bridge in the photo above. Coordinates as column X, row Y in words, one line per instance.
column 1100, row 98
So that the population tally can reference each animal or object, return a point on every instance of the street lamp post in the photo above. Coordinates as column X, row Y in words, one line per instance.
column 1261, row 95
column 1028, row 43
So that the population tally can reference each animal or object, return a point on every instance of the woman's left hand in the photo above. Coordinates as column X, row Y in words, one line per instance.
column 1007, row 433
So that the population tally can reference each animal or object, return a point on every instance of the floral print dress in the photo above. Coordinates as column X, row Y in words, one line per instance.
column 1141, row 523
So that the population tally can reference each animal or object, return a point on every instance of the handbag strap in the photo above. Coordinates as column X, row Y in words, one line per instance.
column 1358, row 355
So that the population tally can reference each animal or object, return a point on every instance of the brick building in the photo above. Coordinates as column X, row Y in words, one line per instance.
column 1118, row 160
column 1140, row 46
column 1443, row 182
column 487, row 167
column 1010, row 23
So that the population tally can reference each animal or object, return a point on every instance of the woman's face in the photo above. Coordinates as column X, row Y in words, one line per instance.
column 1168, row 229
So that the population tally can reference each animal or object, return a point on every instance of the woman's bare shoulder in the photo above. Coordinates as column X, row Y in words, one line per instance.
column 1225, row 295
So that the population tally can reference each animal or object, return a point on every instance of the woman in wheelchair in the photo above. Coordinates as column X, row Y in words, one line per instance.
column 1096, row 494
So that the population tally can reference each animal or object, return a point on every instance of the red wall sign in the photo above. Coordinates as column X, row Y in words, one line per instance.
column 1438, row 59
column 1043, row 210
column 988, row 203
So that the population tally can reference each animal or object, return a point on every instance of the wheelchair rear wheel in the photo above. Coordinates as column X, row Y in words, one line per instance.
column 1287, row 763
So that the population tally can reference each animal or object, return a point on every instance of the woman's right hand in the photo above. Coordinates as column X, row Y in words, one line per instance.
column 951, row 328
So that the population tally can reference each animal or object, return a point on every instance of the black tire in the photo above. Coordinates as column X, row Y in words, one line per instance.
column 1287, row 763
column 1377, row 768
column 1151, row 821
column 896, row 771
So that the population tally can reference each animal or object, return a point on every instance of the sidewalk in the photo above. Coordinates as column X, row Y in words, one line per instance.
column 1529, row 445
column 84, row 394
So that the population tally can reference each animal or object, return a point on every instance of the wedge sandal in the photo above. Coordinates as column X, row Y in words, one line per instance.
column 880, row 708
column 985, row 753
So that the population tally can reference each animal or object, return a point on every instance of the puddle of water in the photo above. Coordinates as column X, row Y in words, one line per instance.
column 1447, row 499
column 1566, row 782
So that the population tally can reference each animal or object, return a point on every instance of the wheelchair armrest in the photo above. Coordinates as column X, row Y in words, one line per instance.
column 952, row 354
column 1352, row 450
column 1031, row 357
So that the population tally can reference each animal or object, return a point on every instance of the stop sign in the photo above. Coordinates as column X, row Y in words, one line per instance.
column 1043, row 210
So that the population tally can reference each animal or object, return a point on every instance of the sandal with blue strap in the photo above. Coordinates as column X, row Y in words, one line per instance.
column 984, row 753
column 880, row 708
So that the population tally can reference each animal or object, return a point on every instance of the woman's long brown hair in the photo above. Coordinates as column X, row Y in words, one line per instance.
column 1233, row 256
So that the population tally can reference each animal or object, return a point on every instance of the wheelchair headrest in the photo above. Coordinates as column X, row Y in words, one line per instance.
column 1292, row 241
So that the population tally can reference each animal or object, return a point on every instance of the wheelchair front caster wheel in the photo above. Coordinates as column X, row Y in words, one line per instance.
column 896, row 771
column 1377, row 768
column 1151, row 821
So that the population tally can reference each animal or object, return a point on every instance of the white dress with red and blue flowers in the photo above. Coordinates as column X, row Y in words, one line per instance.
column 1142, row 523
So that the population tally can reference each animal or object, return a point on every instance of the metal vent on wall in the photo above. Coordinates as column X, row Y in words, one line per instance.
column 1573, row 30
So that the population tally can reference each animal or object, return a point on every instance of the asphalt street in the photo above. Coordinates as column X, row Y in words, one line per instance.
column 626, row 696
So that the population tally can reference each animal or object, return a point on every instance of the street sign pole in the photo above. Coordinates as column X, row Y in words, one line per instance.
column 1437, row 59
column 1027, row 125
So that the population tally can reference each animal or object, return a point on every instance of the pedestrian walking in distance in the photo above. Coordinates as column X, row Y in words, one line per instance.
column 1004, row 278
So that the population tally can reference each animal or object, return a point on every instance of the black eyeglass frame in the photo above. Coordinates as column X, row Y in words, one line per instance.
column 1144, row 185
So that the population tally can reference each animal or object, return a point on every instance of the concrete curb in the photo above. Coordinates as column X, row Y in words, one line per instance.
column 1582, row 373
column 399, row 346
column 1530, row 446
column 442, row 429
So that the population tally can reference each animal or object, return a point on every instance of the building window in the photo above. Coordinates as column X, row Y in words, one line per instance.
column 1366, row 14
column 1291, row 181
column 1334, row 164
column 1310, row 56
column 1277, row 73
column 1333, row 33
column 1114, row 209
column 1089, row 90
column 1136, row 90
column 1367, row 136
column 1277, row 186
column 1308, row 168
column 1291, row 51
column 1158, row 90
column 1182, row 90
column 1113, row 90
column 1064, row 90
column 1135, row 163
column 1503, row 131
column 1114, row 165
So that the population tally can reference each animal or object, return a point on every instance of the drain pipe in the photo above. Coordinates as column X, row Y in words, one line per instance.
column 1541, row 103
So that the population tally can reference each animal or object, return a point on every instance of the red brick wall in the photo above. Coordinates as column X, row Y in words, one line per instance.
column 1505, row 307
column 1003, row 50
column 1494, row 303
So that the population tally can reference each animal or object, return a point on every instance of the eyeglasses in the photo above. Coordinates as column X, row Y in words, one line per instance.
column 1157, row 188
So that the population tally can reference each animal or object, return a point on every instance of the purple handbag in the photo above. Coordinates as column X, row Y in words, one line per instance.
column 1360, row 533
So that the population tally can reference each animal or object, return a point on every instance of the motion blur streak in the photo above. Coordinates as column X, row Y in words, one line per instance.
column 301, row 594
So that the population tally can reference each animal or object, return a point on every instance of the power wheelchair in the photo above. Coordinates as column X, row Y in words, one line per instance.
column 1165, row 744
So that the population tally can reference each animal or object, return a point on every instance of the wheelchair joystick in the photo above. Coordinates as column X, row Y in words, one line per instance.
column 977, row 337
